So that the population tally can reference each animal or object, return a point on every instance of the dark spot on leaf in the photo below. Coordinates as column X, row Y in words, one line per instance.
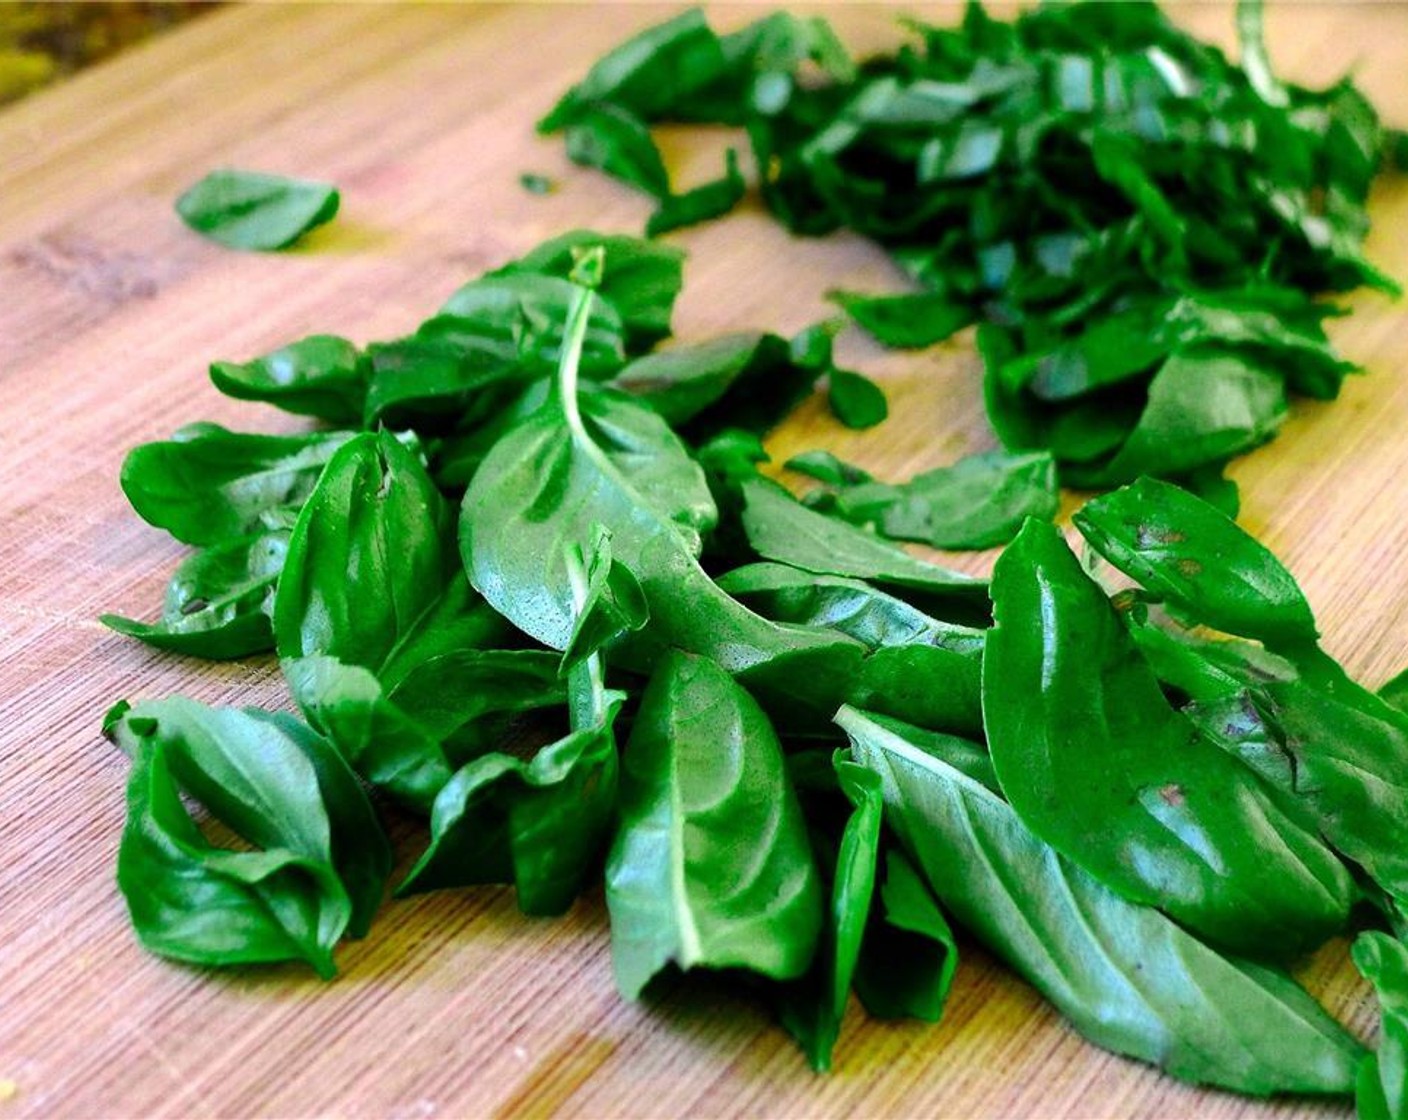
column 1147, row 536
column 1189, row 567
column 193, row 606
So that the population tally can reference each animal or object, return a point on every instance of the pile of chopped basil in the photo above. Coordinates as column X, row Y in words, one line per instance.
column 528, row 584
column 1138, row 226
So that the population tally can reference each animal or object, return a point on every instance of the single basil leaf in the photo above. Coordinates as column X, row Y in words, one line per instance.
column 825, row 467
column 539, row 824
column 701, row 204
column 319, row 860
column 909, row 955
column 250, row 210
column 208, row 485
column 980, row 501
column 1382, row 1089
column 1127, row 977
column 811, row 1009
column 711, row 866
column 448, row 375
column 619, row 143
column 641, row 279
column 218, row 601
column 682, row 381
column 370, row 555
column 648, row 73
column 855, row 400
column 780, row 528
column 909, row 321
column 777, row 377
column 1147, row 806
column 1197, row 560
column 612, row 604
column 323, row 376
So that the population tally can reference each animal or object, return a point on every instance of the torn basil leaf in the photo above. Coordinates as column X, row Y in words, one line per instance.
column 252, row 210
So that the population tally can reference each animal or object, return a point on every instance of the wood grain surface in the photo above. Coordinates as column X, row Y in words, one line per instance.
column 456, row 1005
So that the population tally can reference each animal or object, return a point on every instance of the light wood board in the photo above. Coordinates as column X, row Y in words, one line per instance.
column 456, row 1005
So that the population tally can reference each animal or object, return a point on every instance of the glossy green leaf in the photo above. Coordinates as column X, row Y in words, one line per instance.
column 618, row 142
column 318, row 861
column 1098, row 764
column 1127, row 977
column 218, row 602
column 909, row 321
column 1197, row 560
column 681, row 381
column 207, row 485
column 1382, row 1089
column 322, row 375
column 711, row 866
column 252, row 210
column 855, row 400
column 811, row 1009
column 909, row 956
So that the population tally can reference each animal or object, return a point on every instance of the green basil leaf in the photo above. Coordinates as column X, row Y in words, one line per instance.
column 251, row 210
column 1395, row 692
column 909, row 956
column 855, row 400
column 1127, row 977
column 909, row 321
column 811, row 1009
column 320, row 859
column 322, row 376
column 1069, row 704
column 825, row 467
column 641, row 279
column 208, row 485
column 1382, row 1089
column 218, row 601
column 1187, row 553
column 682, row 381
column 618, row 142
column 782, row 529
column 612, row 605
column 711, row 866
column 701, row 204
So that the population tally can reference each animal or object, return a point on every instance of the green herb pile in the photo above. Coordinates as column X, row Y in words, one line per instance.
column 1138, row 225
column 829, row 747
column 527, row 583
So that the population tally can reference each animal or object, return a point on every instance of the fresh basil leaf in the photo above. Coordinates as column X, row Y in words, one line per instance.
column 1127, row 977
column 218, row 601
column 251, row 210
column 711, row 866
column 782, row 529
column 811, row 1009
column 320, row 859
column 909, row 956
column 648, row 73
column 641, row 279
column 207, row 485
column 322, row 375
column 909, row 321
column 855, row 400
column 618, row 142
column 825, row 467
column 701, row 204
column 1382, row 1089
column 1069, row 704
column 980, row 501
column 1187, row 553
column 682, row 381
column 611, row 606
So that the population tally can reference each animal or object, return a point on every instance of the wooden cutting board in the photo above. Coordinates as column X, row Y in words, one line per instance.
column 456, row 1005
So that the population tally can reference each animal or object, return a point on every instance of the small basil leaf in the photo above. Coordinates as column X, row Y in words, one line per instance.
column 320, row 860
column 218, row 601
column 1187, row 553
column 825, row 467
column 1382, row 1089
column 208, row 485
column 250, row 210
column 322, row 376
column 682, row 381
column 711, row 865
column 1127, row 977
column 909, row 321
column 909, row 955
column 619, row 143
column 701, row 204
column 855, row 400
column 811, row 1009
